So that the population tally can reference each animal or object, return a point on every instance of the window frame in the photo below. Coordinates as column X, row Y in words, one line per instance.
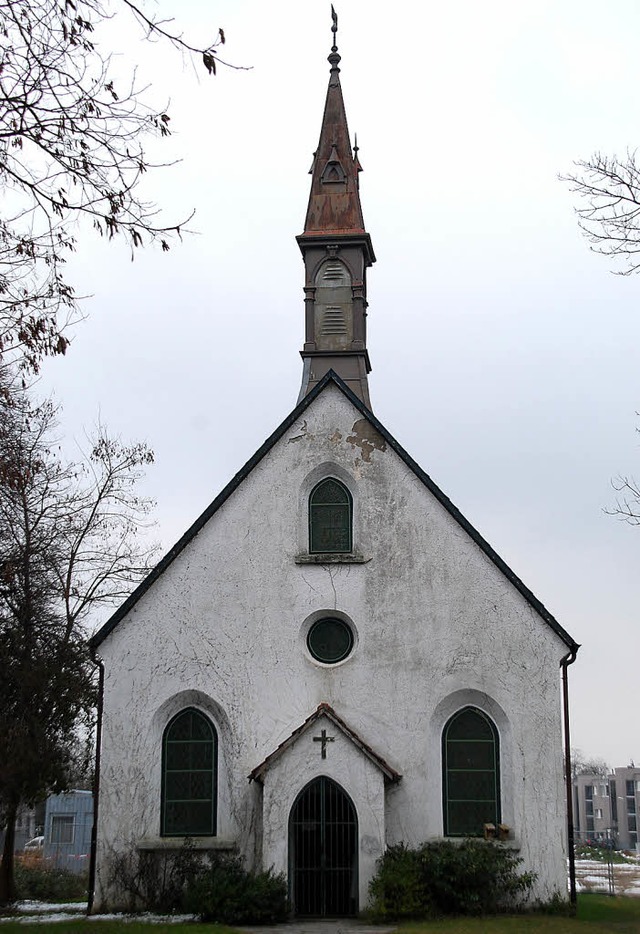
column 59, row 821
column 316, row 653
column 349, row 508
column 447, row 770
column 211, row 830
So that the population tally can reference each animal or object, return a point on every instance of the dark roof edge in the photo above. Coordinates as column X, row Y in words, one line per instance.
column 213, row 507
column 326, row 710
column 442, row 498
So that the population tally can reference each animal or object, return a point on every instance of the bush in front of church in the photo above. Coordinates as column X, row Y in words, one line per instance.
column 225, row 892
column 472, row 877
column 41, row 882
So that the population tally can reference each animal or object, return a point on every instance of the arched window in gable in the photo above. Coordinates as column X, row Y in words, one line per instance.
column 189, row 776
column 330, row 518
column 471, row 773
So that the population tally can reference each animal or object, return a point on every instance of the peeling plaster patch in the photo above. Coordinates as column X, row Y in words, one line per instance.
column 303, row 434
column 336, row 437
column 366, row 438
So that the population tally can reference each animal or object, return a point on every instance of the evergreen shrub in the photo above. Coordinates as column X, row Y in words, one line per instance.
column 47, row 884
column 226, row 893
column 472, row 877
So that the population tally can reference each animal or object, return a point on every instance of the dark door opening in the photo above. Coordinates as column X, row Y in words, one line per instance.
column 323, row 851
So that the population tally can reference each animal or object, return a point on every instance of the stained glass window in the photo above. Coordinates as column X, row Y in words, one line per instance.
column 330, row 509
column 189, row 776
column 330, row 640
column 471, row 774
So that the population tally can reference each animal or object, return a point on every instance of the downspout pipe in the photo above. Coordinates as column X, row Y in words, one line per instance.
column 96, row 781
column 569, row 659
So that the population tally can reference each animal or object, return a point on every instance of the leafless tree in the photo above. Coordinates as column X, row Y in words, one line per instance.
column 69, row 542
column 610, row 217
column 583, row 765
column 71, row 148
column 627, row 505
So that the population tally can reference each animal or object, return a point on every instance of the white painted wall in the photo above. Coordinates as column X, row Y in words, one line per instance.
column 437, row 626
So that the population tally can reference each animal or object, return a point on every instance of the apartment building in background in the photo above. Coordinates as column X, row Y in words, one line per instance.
column 607, row 807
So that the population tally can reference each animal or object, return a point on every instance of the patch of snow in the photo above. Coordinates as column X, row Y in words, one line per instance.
column 32, row 912
column 37, row 907
column 44, row 918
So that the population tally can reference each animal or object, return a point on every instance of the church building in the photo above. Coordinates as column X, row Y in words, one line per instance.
column 331, row 659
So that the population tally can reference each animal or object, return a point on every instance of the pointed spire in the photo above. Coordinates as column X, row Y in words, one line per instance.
column 334, row 203
column 337, row 251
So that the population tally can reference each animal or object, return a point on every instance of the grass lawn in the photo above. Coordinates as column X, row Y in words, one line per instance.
column 597, row 914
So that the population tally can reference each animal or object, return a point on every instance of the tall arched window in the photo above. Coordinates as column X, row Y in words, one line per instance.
column 471, row 773
column 189, row 775
column 330, row 517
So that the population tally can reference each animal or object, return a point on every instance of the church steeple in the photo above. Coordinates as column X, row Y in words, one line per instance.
column 336, row 251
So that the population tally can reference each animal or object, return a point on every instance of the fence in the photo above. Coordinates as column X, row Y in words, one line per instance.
column 595, row 857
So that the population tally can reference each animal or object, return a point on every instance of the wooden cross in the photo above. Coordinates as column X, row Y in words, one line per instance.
column 324, row 739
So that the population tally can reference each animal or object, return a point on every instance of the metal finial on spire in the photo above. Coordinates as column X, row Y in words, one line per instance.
column 356, row 160
column 334, row 56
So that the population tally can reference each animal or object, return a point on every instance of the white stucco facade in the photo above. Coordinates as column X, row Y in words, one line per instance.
column 437, row 626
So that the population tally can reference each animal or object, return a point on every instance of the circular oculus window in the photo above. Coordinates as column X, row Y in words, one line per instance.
column 330, row 640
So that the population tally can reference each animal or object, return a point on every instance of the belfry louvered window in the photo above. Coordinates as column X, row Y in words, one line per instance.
column 330, row 517
column 471, row 773
column 189, row 776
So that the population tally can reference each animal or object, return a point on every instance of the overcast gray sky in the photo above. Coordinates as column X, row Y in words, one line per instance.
column 505, row 354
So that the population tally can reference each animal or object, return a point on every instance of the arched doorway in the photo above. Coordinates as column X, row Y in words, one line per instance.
column 323, row 851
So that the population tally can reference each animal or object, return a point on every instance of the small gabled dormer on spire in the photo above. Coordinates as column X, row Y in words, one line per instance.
column 336, row 251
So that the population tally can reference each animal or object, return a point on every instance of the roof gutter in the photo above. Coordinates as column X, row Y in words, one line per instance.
column 569, row 659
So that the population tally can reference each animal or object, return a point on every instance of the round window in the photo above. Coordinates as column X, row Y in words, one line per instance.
column 330, row 640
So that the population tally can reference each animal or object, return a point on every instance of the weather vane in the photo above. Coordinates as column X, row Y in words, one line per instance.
column 334, row 29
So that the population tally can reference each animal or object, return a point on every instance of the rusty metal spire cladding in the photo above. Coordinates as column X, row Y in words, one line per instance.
column 337, row 251
column 334, row 202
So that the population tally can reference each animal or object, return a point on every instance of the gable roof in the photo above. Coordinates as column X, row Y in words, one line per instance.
column 325, row 710
column 443, row 499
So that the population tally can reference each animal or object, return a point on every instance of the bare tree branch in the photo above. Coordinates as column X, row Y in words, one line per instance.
column 72, row 146
column 610, row 219
column 627, row 507
column 71, row 540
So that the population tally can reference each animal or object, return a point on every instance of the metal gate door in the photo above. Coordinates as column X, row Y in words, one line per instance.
column 323, row 837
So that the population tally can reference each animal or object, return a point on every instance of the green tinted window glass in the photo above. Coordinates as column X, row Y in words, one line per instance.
column 468, row 724
column 471, row 773
column 189, row 778
column 330, row 518
column 330, row 640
